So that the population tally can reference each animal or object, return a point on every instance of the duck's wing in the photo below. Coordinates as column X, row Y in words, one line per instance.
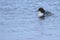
column 48, row 13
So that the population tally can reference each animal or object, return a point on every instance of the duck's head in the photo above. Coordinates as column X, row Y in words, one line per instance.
column 41, row 10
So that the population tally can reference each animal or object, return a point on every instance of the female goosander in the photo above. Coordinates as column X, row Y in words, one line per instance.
column 43, row 13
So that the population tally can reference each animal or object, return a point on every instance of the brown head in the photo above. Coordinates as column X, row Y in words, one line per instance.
column 41, row 10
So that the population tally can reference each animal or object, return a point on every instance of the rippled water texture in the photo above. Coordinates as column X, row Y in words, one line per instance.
column 19, row 20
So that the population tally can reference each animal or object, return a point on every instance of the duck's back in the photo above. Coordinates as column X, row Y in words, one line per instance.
column 48, row 13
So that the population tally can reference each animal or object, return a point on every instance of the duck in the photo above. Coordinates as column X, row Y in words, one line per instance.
column 42, row 13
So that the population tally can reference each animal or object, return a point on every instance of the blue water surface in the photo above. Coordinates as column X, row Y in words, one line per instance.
column 19, row 20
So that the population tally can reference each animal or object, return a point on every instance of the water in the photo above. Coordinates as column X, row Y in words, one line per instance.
column 19, row 20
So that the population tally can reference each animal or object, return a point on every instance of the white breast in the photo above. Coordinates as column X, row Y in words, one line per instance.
column 40, row 14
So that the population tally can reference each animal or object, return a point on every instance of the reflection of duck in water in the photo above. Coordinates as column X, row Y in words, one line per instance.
column 43, row 13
